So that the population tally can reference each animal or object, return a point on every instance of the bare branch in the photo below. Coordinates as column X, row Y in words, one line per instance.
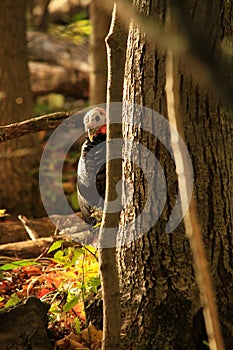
column 45, row 122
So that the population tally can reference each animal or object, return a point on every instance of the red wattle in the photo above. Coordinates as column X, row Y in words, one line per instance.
column 102, row 130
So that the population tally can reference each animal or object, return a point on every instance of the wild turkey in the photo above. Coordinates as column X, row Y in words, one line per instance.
column 91, row 168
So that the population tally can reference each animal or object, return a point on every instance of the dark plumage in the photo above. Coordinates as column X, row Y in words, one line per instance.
column 91, row 167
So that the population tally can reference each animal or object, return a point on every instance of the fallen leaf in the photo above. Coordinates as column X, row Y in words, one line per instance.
column 91, row 335
column 71, row 342
column 3, row 213
column 44, row 291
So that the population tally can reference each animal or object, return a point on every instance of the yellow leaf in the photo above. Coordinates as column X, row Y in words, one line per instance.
column 3, row 213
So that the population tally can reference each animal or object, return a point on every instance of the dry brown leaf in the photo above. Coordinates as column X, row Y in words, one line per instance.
column 92, row 337
column 71, row 342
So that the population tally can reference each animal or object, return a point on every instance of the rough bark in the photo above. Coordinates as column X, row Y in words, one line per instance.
column 208, row 131
column 19, row 188
column 192, row 227
column 160, row 298
column 98, row 55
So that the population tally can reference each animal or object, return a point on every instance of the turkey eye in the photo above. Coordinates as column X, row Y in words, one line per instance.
column 97, row 118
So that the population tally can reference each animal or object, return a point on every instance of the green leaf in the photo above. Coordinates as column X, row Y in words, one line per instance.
column 14, row 300
column 71, row 303
column 56, row 245
column 59, row 256
column 77, row 252
column 17, row 264
column 77, row 325
column 93, row 283
column 206, row 343
column 80, row 15
column 91, row 249
column 74, row 201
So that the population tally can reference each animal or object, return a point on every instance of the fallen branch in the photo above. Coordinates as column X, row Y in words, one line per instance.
column 62, row 52
column 14, row 231
column 58, row 65
column 47, row 78
column 28, row 249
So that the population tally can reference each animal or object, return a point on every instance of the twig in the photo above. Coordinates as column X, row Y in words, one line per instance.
column 89, row 251
column 28, row 227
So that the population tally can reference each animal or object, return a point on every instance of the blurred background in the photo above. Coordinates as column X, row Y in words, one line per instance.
column 53, row 58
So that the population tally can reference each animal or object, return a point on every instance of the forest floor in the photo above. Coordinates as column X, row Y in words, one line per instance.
column 64, row 278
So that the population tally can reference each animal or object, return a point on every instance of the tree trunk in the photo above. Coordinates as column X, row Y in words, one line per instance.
column 38, row 10
column 160, row 299
column 18, row 186
column 98, row 55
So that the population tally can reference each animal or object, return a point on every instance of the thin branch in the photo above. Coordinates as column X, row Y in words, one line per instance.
column 28, row 227
column 192, row 228
column 43, row 123
column 116, row 49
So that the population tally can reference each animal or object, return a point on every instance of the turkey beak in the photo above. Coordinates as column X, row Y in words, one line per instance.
column 91, row 134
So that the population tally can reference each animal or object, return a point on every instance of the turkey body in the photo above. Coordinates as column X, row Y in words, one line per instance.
column 92, row 176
